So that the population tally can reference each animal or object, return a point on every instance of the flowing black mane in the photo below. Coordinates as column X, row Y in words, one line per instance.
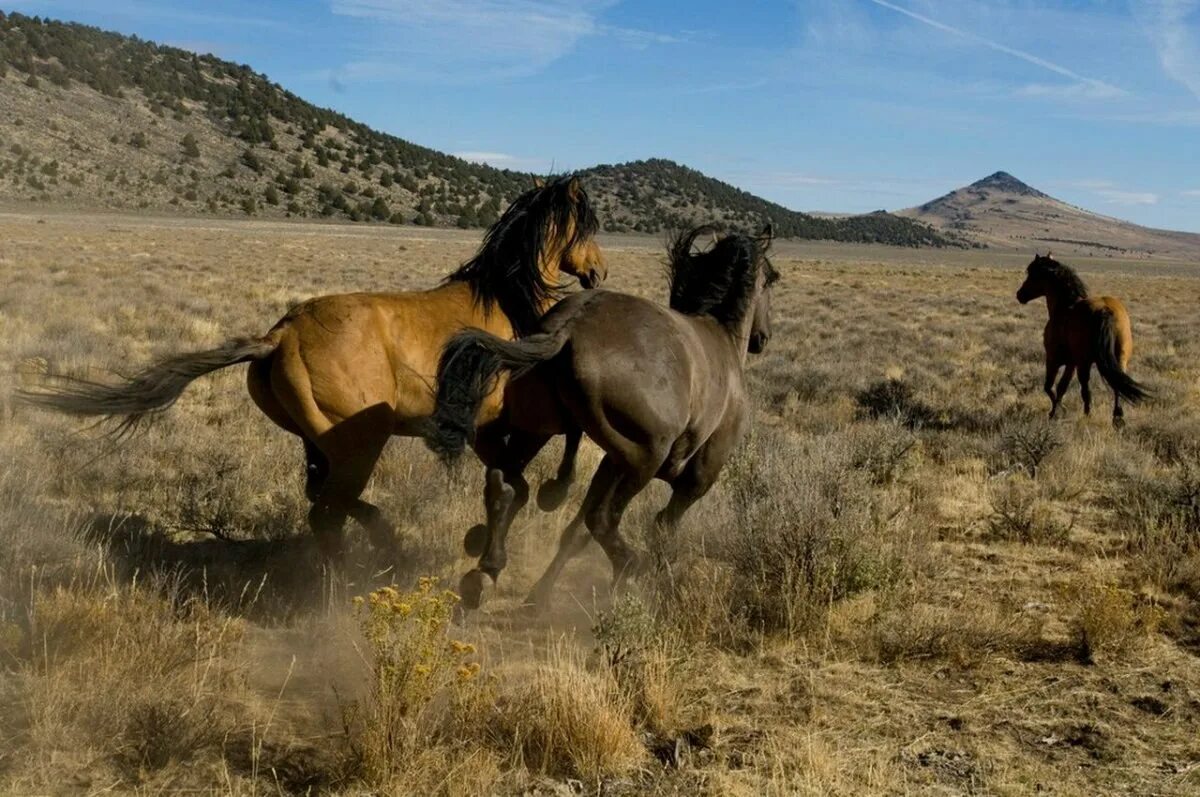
column 1064, row 279
column 506, row 271
column 718, row 282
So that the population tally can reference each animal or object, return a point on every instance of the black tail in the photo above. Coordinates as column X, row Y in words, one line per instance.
column 1110, row 367
column 467, row 371
column 147, row 393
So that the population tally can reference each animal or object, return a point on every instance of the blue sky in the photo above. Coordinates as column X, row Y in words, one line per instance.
column 841, row 105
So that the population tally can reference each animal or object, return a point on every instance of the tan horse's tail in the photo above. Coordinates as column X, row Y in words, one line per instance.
column 148, row 392
column 467, row 371
column 1109, row 365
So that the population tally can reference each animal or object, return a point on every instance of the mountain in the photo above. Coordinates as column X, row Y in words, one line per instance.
column 1002, row 211
column 99, row 120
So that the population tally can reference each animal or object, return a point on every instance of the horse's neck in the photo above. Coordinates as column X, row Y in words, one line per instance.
column 1059, row 303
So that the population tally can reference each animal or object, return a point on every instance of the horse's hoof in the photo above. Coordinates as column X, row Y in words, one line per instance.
column 471, row 588
column 551, row 495
column 475, row 540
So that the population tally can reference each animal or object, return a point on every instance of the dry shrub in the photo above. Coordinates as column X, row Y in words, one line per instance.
column 808, row 531
column 1161, row 514
column 1024, row 443
column 1019, row 513
column 424, row 687
column 895, row 399
column 567, row 721
column 1106, row 619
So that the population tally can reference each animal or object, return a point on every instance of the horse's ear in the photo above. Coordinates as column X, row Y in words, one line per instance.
column 1047, row 254
column 766, row 236
column 574, row 187
column 538, row 182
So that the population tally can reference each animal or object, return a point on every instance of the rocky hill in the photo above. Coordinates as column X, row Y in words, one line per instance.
column 99, row 120
column 1001, row 210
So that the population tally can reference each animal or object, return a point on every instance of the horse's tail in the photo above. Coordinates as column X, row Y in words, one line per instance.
column 148, row 392
column 1109, row 365
column 467, row 371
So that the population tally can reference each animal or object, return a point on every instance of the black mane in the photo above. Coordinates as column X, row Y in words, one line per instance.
column 1067, row 283
column 718, row 282
column 506, row 271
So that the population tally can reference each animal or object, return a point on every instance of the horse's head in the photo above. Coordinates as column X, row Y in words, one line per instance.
column 760, row 326
column 1039, row 279
column 570, row 236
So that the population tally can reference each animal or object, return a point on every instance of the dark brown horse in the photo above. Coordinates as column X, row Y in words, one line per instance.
column 659, row 390
column 1082, row 331
column 346, row 372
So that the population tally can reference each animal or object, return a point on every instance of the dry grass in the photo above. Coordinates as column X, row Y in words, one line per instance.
column 907, row 580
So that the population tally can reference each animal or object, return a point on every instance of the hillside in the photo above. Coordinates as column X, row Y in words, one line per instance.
column 1000, row 210
column 94, row 119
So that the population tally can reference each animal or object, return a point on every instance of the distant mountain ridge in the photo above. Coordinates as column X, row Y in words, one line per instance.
column 101, row 120
column 1002, row 211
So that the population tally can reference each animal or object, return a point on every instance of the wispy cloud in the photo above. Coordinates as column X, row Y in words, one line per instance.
column 1174, row 28
column 1115, row 196
column 1090, row 87
column 492, row 158
column 477, row 40
column 1194, row 193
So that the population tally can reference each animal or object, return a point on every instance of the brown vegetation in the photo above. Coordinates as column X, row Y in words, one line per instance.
column 907, row 581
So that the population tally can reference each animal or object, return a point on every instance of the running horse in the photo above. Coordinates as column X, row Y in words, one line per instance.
column 346, row 372
column 1082, row 331
column 661, row 392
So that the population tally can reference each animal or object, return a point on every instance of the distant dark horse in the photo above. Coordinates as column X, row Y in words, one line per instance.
column 659, row 390
column 1082, row 331
column 346, row 372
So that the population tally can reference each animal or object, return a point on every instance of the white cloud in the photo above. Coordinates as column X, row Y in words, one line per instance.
column 477, row 40
column 1194, row 192
column 1174, row 28
column 1088, row 87
column 1070, row 91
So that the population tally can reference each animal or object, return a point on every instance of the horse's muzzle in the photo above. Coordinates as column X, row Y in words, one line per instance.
column 1022, row 298
column 758, row 342
column 589, row 280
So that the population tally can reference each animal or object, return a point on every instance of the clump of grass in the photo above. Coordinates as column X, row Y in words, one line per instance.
column 567, row 721
column 639, row 653
column 129, row 679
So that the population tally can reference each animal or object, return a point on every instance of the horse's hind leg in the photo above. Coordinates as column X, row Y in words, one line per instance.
column 576, row 535
column 505, row 493
column 1085, row 388
column 316, row 470
column 604, row 519
column 552, row 494
column 352, row 449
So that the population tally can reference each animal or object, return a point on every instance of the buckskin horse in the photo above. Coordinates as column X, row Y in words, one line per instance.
column 346, row 372
column 659, row 389
column 1082, row 331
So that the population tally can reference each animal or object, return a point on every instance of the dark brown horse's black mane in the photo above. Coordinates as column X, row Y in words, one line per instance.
column 719, row 281
column 1066, row 282
column 506, row 271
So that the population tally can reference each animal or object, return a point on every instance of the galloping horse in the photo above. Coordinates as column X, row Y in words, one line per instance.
column 346, row 372
column 659, row 390
column 1082, row 331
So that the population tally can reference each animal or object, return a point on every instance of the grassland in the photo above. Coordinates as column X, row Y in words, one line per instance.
column 907, row 582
